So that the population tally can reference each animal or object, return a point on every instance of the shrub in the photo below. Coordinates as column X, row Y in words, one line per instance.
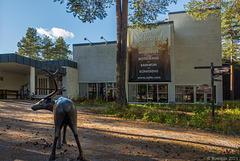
column 227, row 118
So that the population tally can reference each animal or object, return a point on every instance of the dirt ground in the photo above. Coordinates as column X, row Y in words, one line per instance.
column 28, row 135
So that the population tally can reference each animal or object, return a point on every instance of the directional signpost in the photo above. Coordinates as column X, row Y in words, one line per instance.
column 216, row 71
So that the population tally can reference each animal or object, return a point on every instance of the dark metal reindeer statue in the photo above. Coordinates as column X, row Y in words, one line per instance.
column 65, row 113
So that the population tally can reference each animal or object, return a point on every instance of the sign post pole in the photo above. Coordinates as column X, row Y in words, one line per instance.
column 215, row 72
column 212, row 84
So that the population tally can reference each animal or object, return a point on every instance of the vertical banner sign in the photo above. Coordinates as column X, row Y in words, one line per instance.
column 149, row 54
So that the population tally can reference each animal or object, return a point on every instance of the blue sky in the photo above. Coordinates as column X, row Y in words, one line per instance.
column 51, row 18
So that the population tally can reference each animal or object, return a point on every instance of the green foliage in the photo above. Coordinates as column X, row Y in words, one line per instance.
column 231, row 30
column 88, row 11
column 47, row 48
column 60, row 50
column 142, row 14
column 227, row 118
column 203, row 9
column 33, row 46
column 98, row 102
column 30, row 45
column 231, row 104
column 146, row 12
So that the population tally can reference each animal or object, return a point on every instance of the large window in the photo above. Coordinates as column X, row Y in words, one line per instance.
column 111, row 91
column 184, row 94
column 148, row 93
column 199, row 95
column 162, row 93
column 133, row 93
column 42, row 86
column 142, row 93
column 152, row 93
column 209, row 95
column 92, row 91
column 106, row 91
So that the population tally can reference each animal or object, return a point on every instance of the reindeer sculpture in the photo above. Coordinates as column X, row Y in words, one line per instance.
column 65, row 113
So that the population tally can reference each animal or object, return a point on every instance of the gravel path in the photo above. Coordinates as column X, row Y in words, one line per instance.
column 28, row 135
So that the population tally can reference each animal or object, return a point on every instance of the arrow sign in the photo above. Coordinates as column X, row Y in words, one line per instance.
column 222, row 70
column 217, row 80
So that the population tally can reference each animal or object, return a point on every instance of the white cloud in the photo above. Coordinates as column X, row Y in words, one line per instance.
column 55, row 33
column 42, row 31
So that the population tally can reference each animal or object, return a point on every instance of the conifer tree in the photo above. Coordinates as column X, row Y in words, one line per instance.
column 47, row 48
column 30, row 45
column 60, row 50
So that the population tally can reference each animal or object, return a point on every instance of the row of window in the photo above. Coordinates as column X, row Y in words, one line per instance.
column 192, row 94
column 150, row 93
column 105, row 91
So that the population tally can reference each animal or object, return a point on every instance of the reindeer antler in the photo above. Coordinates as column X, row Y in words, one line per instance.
column 52, row 94
column 55, row 83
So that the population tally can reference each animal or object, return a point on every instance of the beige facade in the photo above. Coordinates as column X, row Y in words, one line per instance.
column 70, row 83
column 12, row 81
column 196, row 43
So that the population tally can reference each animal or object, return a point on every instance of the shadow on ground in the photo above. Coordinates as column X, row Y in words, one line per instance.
column 28, row 135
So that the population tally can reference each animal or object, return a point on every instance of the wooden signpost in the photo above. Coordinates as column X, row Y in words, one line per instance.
column 216, row 71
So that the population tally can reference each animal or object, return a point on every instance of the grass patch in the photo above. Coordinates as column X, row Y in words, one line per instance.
column 227, row 117
column 92, row 103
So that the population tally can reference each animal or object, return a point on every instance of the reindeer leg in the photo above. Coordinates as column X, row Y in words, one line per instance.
column 59, row 144
column 53, row 154
column 64, row 134
column 73, row 128
column 58, row 126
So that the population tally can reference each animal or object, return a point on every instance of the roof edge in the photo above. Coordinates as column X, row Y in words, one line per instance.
column 51, row 65
column 95, row 43
column 177, row 12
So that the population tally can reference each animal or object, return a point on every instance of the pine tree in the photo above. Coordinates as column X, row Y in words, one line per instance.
column 60, row 50
column 47, row 48
column 30, row 45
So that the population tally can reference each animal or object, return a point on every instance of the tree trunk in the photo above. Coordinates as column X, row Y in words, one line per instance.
column 121, row 15
column 231, row 74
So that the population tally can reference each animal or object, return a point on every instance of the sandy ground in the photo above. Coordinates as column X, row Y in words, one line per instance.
column 28, row 135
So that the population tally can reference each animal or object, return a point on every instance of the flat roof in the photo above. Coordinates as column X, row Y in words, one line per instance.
column 50, row 65
column 95, row 43
column 177, row 12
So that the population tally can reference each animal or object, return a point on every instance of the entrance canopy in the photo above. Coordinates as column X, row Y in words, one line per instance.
column 19, row 64
column 18, row 72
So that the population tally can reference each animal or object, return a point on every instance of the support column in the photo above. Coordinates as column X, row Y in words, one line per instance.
column 32, row 80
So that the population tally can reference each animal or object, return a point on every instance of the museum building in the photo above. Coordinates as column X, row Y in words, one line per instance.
column 160, row 65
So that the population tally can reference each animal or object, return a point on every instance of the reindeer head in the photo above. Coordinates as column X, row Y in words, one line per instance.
column 46, row 103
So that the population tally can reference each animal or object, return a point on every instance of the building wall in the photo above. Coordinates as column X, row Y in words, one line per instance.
column 70, row 83
column 193, row 43
column 196, row 43
column 96, row 63
column 13, row 81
